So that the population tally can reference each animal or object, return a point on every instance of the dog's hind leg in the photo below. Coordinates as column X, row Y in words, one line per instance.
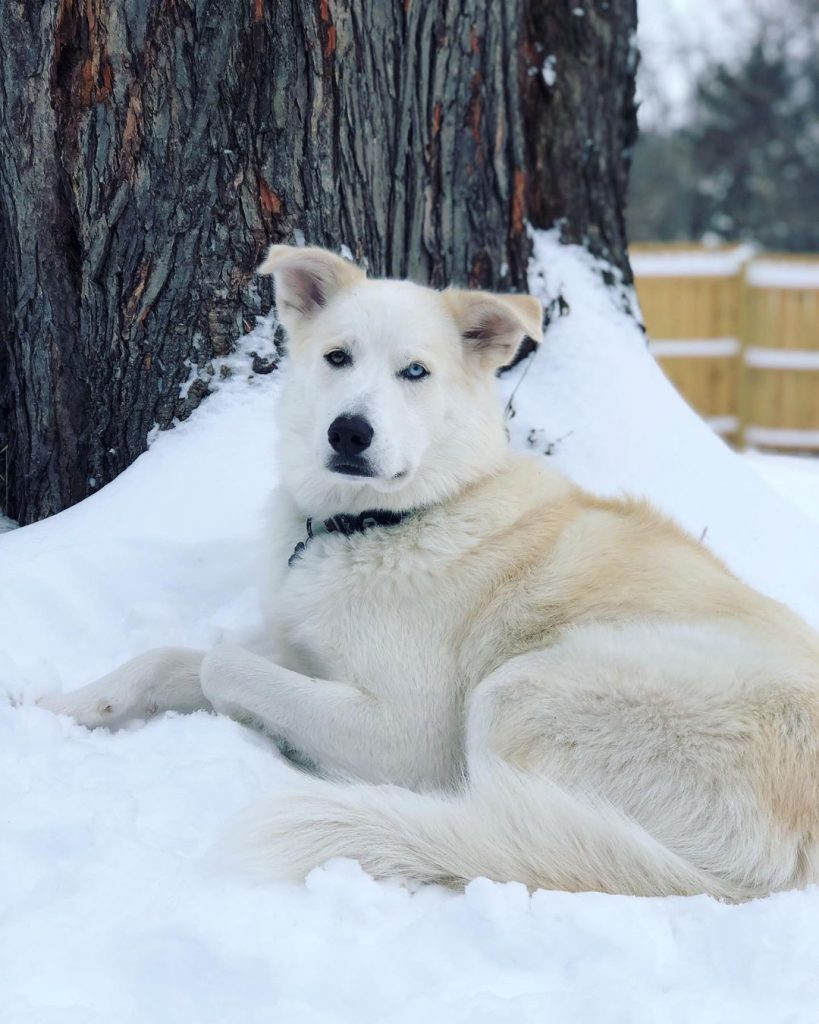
column 165, row 679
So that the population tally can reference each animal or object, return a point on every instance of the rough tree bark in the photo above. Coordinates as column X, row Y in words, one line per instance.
column 150, row 150
column 580, row 120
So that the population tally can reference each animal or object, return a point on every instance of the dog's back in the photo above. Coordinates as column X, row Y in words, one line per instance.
column 630, row 716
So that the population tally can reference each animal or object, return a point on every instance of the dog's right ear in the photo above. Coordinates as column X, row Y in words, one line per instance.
column 306, row 279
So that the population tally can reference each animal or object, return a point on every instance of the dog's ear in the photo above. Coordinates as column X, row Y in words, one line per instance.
column 306, row 279
column 493, row 326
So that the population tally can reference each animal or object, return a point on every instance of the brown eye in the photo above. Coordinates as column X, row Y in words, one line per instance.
column 338, row 357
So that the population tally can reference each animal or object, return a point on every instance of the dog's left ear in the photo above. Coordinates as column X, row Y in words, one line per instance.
column 306, row 279
column 493, row 326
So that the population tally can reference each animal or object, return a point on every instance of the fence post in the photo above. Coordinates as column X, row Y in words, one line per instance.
column 744, row 331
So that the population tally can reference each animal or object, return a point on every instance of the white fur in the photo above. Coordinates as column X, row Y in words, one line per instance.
column 426, row 430
column 527, row 683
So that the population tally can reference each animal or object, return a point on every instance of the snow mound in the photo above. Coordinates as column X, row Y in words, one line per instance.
column 795, row 475
column 112, row 906
column 594, row 400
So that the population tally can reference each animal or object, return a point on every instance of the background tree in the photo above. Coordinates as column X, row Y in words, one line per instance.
column 756, row 145
column 151, row 149
column 745, row 164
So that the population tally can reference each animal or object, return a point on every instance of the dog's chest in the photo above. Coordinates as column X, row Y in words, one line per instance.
column 369, row 609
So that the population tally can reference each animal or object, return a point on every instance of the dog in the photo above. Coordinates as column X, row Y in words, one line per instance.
column 491, row 671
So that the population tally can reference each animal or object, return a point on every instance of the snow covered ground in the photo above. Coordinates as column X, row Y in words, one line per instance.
column 796, row 476
column 113, row 905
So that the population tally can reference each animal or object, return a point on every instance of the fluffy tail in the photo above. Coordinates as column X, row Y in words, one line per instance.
column 507, row 827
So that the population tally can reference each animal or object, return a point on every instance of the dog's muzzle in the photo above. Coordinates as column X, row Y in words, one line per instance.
column 347, row 466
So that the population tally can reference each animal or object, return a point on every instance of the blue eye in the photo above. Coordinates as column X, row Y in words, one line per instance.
column 338, row 357
column 415, row 371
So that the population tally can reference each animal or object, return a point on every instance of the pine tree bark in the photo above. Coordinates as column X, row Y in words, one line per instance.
column 151, row 149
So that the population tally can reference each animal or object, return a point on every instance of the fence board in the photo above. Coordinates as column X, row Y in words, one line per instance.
column 763, row 389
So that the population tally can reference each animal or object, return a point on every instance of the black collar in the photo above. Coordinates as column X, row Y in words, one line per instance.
column 347, row 524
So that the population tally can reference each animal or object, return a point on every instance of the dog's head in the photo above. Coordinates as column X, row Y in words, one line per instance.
column 389, row 400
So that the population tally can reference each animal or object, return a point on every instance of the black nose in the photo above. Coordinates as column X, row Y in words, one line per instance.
column 350, row 435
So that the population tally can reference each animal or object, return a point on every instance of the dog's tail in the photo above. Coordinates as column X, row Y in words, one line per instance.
column 506, row 826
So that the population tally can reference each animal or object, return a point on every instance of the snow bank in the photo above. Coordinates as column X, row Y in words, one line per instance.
column 163, row 554
column 593, row 397
column 795, row 475
column 112, row 907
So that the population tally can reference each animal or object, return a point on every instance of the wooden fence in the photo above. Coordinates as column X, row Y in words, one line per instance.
column 738, row 335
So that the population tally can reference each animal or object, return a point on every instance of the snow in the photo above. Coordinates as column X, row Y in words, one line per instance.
column 794, row 475
column 783, row 274
column 781, row 358
column 694, row 348
column 723, row 424
column 115, row 904
column 549, row 70
column 690, row 263
column 782, row 437
column 625, row 428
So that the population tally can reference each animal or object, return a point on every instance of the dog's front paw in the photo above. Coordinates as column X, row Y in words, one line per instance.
column 92, row 712
column 95, row 708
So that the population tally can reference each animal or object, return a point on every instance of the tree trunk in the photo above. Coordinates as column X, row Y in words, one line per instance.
column 580, row 121
column 151, row 149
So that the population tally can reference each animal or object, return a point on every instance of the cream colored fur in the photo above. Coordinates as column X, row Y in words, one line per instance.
column 524, row 681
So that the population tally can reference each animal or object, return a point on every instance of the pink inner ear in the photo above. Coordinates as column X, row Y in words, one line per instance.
column 303, row 289
column 492, row 328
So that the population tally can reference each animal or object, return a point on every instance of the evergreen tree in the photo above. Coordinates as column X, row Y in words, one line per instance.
column 745, row 166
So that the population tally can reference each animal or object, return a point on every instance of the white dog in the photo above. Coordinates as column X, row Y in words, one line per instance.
column 497, row 673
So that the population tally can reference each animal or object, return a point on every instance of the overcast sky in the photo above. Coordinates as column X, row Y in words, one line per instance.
column 676, row 38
